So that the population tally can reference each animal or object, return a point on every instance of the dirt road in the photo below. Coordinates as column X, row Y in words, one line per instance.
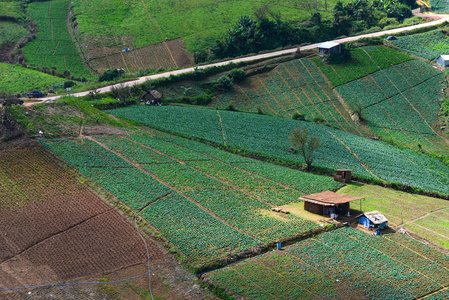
column 256, row 57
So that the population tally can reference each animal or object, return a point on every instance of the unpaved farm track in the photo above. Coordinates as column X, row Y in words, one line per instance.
column 61, row 231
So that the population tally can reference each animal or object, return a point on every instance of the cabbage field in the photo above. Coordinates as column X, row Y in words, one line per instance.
column 400, row 103
column 267, row 136
column 364, row 61
column 428, row 45
column 342, row 264
column 294, row 87
column 53, row 48
column 220, row 203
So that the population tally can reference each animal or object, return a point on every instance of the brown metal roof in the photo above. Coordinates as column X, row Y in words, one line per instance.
column 329, row 198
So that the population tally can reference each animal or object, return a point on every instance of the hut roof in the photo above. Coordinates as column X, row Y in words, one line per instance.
column 375, row 217
column 329, row 198
column 328, row 45
column 155, row 94
column 445, row 57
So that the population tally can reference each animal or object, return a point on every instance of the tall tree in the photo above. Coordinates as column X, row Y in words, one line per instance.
column 304, row 145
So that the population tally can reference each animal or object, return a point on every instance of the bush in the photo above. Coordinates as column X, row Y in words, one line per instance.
column 111, row 74
column 224, row 83
column 68, row 84
column 298, row 117
column 237, row 75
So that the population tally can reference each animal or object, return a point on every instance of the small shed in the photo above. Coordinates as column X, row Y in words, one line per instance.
column 443, row 60
column 373, row 219
column 329, row 47
column 152, row 96
column 343, row 175
column 328, row 202
column 391, row 38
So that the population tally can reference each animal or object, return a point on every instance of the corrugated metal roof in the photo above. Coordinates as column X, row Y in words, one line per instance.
column 375, row 217
column 328, row 45
column 445, row 57
column 329, row 198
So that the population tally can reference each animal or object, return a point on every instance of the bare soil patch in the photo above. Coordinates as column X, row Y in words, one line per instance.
column 151, row 57
column 54, row 229
column 5, row 50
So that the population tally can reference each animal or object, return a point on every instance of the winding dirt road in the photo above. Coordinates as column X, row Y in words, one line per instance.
column 252, row 58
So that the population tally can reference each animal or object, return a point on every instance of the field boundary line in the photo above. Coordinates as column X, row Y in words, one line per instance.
column 160, row 34
column 296, row 96
column 393, row 283
column 394, row 259
column 286, row 278
column 309, row 87
column 355, row 155
column 221, row 127
column 434, row 232
column 423, row 256
column 59, row 233
column 173, row 188
column 262, row 98
column 283, row 92
column 271, row 94
column 320, row 271
column 321, row 100
column 254, row 283
column 51, row 20
column 209, row 175
column 247, row 97
column 241, row 169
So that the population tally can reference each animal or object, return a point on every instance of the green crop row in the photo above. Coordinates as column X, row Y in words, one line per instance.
column 53, row 47
column 233, row 194
column 364, row 61
column 428, row 45
column 268, row 136
column 405, row 97
column 342, row 264
column 294, row 87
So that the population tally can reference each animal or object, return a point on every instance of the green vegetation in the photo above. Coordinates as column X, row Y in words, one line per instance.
column 268, row 137
column 439, row 6
column 401, row 104
column 428, row 45
column 11, row 32
column 53, row 50
column 198, row 23
column 364, row 61
column 16, row 79
column 217, row 204
column 294, row 87
column 11, row 9
column 342, row 264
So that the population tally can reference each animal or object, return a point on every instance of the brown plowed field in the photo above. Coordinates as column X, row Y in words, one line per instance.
column 54, row 229
column 150, row 57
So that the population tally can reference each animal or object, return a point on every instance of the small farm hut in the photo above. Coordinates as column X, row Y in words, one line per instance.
column 343, row 175
column 153, row 97
column 373, row 219
column 443, row 60
column 329, row 47
column 328, row 203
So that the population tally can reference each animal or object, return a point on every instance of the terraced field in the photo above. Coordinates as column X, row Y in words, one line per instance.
column 268, row 136
column 219, row 204
column 401, row 104
column 342, row 264
column 439, row 6
column 53, row 48
column 294, row 87
column 428, row 45
column 364, row 61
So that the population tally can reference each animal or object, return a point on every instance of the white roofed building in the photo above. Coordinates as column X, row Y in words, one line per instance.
column 329, row 47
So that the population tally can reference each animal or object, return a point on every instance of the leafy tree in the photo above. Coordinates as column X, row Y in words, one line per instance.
column 304, row 145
